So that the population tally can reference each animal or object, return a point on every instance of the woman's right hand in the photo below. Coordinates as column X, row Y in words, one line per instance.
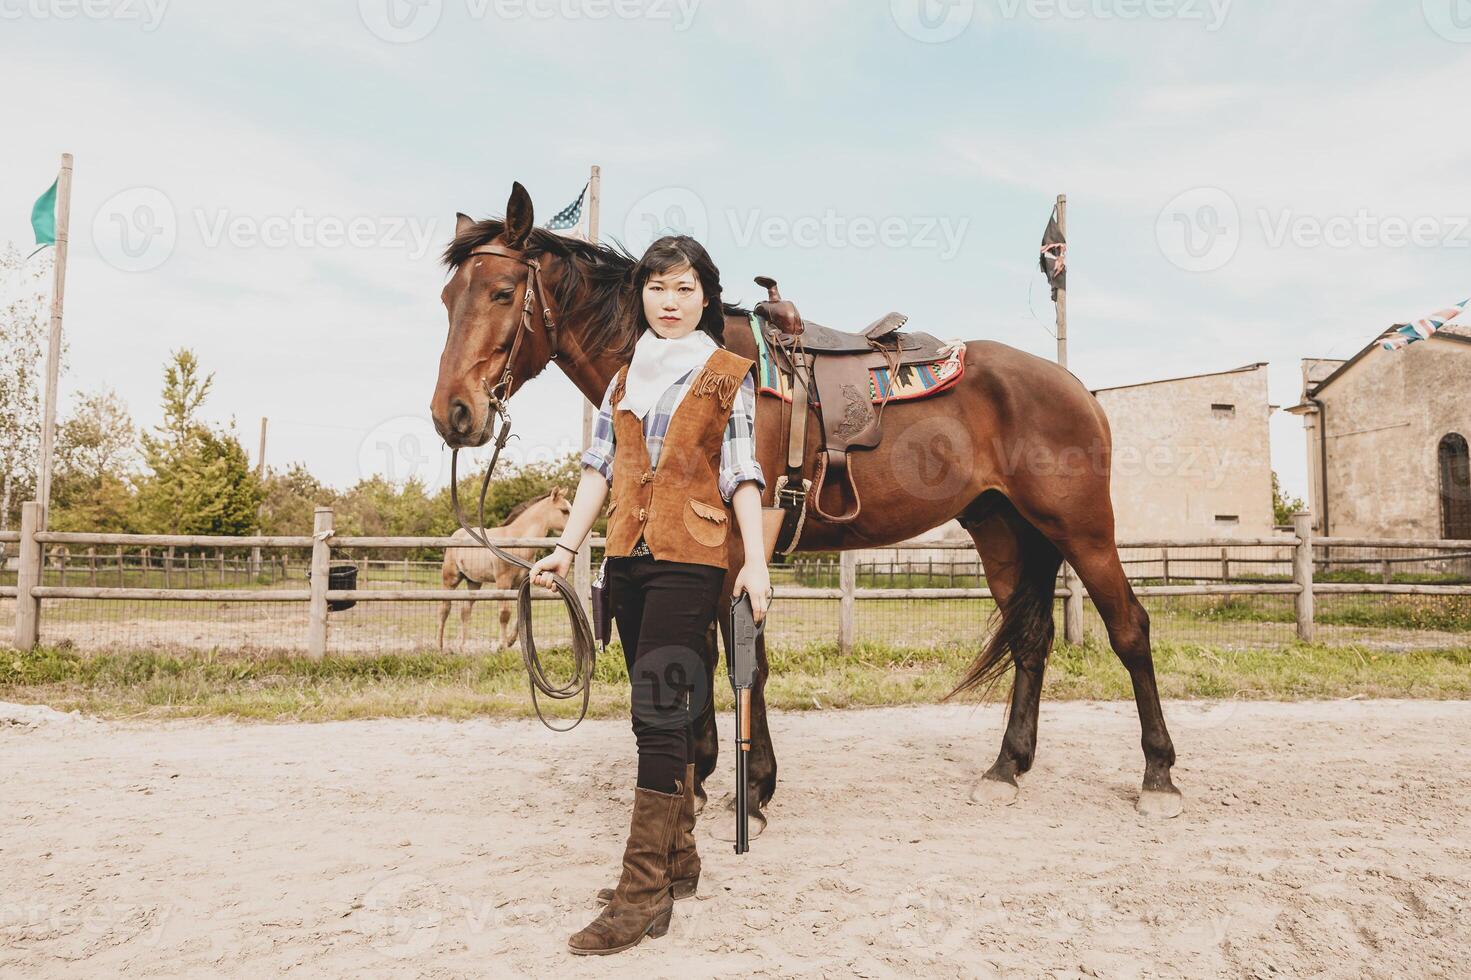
column 558, row 562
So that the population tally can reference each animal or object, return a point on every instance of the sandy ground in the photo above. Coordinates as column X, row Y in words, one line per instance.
column 1322, row 839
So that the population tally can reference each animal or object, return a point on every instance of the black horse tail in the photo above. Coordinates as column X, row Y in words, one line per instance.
column 1026, row 620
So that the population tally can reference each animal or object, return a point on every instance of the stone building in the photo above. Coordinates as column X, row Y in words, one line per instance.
column 1394, row 463
column 1191, row 459
column 1192, row 456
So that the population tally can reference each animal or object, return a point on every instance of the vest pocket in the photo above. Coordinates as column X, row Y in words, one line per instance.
column 708, row 525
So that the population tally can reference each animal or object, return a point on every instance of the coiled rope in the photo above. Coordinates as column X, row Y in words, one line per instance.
column 584, row 650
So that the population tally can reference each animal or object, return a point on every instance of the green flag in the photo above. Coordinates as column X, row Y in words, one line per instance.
column 43, row 218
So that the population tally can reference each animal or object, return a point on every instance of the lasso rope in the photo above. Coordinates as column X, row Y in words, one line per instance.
column 584, row 651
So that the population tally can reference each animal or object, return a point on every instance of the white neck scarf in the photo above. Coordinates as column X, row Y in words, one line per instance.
column 658, row 362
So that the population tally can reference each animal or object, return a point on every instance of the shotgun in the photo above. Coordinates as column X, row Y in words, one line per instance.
column 740, row 662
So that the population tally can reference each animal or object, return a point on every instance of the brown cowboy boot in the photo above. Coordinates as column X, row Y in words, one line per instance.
column 684, row 860
column 641, row 904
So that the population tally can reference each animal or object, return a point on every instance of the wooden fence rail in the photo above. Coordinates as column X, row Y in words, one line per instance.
column 29, row 591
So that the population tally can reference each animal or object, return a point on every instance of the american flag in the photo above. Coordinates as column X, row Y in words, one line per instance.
column 1404, row 334
column 570, row 217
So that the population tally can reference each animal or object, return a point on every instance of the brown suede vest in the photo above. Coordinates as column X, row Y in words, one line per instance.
column 676, row 507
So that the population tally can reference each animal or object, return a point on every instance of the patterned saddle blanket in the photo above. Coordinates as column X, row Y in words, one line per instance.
column 910, row 381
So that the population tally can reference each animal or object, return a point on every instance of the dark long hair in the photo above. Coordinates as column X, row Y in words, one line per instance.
column 665, row 255
column 594, row 277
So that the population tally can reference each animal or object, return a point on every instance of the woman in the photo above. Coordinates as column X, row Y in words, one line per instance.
column 685, row 404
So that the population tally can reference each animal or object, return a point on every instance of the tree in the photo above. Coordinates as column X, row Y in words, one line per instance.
column 290, row 499
column 1283, row 506
column 95, row 462
column 200, row 480
column 23, row 338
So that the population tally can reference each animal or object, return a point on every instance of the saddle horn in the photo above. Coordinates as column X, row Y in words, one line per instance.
column 781, row 312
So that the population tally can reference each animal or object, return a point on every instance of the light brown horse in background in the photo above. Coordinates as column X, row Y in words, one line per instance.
column 477, row 565
column 1017, row 450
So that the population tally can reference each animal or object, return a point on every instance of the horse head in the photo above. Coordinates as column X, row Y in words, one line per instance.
column 502, row 331
column 556, row 507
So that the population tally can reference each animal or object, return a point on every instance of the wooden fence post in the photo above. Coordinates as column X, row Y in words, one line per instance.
column 28, row 608
column 847, row 581
column 321, row 563
column 1302, row 573
column 1072, row 606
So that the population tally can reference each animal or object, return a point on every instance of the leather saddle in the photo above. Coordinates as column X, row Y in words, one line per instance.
column 834, row 365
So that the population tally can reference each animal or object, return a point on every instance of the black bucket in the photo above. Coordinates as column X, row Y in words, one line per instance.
column 339, row 577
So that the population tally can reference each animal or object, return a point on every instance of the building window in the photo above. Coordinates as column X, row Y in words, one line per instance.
column 1455, row 487
column 1223, row 411
column 1228, row 518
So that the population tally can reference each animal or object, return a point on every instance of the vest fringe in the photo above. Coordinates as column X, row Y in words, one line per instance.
column 617, row 395
column 722, row 386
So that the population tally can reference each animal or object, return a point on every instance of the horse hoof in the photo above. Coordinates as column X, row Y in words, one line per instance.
column 1160, row 804
column 994, row 792
column 724, row 829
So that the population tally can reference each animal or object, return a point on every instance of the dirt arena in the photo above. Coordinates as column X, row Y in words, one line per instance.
column 1321, row 839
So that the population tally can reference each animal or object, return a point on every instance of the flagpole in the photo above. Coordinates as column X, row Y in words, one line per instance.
column 53, row 350
column 594, row 196
column 583, row 574
column 1062, row 292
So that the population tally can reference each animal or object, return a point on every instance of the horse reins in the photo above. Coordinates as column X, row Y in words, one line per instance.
column 584, row 651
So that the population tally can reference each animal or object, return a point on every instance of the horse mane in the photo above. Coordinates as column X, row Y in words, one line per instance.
column 602, row 270
column 524, row 506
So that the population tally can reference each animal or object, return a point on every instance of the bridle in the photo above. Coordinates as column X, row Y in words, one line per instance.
column 584, row 652
column 534, row 297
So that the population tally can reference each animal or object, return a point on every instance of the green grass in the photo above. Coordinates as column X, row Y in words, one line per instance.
column 1413, row 612
column 285, row 687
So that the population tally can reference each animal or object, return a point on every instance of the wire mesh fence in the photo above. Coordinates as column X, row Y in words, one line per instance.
column 100, row 596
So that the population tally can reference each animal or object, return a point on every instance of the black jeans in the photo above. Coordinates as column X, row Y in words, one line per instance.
column 664, row 610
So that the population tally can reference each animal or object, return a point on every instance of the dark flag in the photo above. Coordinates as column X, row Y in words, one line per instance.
column 1054, row 256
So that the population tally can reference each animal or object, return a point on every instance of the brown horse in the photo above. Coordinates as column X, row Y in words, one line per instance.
column 1018, row 451
column 475, row 565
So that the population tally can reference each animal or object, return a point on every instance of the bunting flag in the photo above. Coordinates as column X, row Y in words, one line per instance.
column 1403, row 334
column 568, row 221
column 1054, row 256
column 43, row 218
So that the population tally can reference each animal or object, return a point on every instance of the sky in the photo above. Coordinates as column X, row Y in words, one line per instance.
column 270, row 184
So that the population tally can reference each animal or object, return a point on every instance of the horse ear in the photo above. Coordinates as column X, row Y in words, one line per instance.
column 463, row 223
column 519, row 216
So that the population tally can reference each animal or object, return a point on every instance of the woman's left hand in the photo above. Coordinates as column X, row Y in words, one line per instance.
column 755, row 579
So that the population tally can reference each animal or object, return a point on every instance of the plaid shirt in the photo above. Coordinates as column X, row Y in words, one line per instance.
column 737, row 453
